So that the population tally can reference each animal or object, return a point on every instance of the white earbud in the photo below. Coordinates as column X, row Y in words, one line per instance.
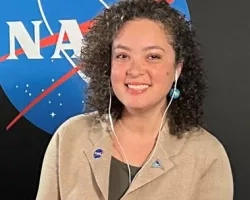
column 176, row 76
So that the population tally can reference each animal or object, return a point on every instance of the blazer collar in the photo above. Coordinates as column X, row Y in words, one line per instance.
column 100, row 151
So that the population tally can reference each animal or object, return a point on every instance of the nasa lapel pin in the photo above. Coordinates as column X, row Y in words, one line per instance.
column 98, row 153
column 156, row 164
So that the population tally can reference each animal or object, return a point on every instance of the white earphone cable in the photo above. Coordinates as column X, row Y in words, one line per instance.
column 123, row 153
column 158, row 137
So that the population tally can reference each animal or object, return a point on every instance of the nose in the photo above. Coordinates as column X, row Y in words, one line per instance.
column 136, row 68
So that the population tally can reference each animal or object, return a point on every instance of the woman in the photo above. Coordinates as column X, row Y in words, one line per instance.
column 145, row 139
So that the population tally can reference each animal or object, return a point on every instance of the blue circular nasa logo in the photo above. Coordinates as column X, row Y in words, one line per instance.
column 39, row 45
column 98, row 153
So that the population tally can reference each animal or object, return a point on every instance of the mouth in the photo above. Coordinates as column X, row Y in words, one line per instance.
column 137, row 88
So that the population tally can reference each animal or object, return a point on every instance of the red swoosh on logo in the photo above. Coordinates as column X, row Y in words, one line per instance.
column 44, row 43
column 42, row 95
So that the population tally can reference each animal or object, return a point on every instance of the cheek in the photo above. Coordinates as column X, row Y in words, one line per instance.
column 117, row 74
column 163, row 79
column 162, row 76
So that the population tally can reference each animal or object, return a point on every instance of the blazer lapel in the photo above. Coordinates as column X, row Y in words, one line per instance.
column 160, row 163
column 99, row 156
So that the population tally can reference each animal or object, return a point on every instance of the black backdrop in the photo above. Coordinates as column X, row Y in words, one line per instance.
column 223, row 28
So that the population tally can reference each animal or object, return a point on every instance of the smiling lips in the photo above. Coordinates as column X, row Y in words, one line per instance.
column 137, row 88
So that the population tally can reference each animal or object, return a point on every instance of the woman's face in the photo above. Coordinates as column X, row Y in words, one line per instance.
column 142, row 65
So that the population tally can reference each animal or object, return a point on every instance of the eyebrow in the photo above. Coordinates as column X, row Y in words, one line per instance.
column 120, row 46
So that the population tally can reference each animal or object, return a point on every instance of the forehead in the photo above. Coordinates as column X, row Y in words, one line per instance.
column 141, row 31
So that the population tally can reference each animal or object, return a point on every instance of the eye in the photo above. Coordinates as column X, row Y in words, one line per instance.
column 122, row 56
column 154, row 57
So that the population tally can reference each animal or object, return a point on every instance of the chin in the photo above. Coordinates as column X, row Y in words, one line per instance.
column 143, row 104
column 137, row 106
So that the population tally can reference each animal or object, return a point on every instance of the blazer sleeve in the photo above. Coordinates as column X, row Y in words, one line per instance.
column 49, row 181
column 217, row 182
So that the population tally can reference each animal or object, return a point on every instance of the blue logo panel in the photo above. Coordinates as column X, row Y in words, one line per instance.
column 40, row 41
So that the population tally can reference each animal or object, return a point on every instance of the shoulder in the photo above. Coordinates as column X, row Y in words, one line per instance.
column 81, row 121
column 208, row 145
column 204, row 139
column 79, row 127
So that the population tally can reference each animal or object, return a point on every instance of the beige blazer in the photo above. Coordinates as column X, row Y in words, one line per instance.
column 195, row 167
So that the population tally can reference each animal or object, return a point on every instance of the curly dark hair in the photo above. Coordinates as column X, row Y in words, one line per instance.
column 186, row 112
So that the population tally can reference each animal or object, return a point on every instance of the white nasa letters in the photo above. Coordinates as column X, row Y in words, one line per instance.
column 18, row 33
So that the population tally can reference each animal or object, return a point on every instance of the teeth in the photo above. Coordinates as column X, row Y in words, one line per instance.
column 138, row 87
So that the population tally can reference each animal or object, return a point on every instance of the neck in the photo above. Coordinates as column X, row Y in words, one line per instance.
column 143, row 122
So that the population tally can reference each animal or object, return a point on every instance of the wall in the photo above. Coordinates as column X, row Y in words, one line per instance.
column 224, row 30
column 33, row 103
